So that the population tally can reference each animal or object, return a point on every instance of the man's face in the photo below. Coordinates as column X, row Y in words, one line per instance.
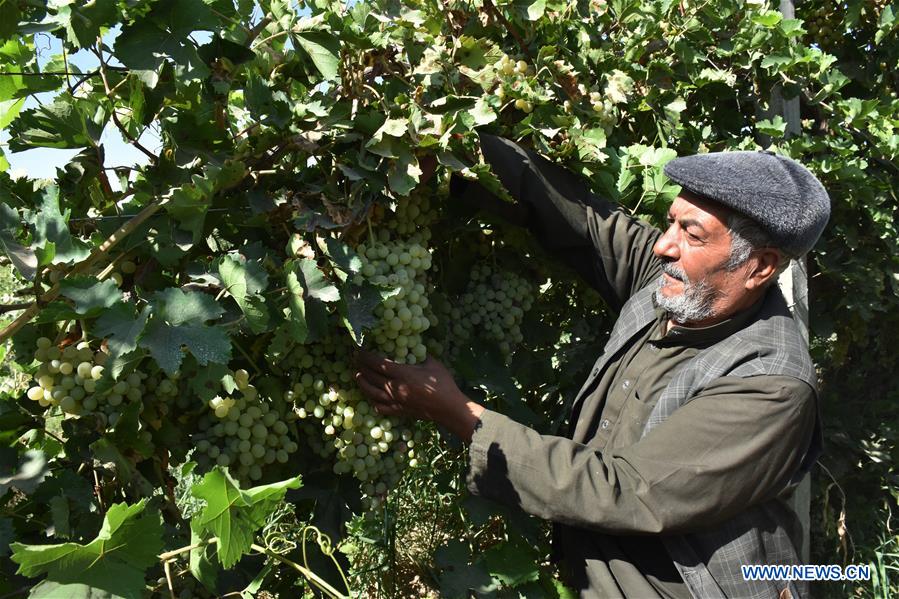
column 696, row 287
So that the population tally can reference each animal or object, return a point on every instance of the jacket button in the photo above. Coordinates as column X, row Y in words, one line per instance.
column 605, row 423
column 625, row 384
column 595, row 371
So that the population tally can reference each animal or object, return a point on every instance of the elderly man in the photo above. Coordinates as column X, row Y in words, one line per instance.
column 699, row 418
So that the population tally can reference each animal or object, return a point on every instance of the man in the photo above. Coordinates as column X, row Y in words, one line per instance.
column 700, row 416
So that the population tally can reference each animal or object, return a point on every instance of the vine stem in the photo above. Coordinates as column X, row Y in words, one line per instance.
column 167, row 567
column 322, row 540
column 170, row 555
column 95, row 256
column 309, row 574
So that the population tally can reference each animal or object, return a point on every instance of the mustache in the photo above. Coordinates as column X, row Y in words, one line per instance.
column 672, row 271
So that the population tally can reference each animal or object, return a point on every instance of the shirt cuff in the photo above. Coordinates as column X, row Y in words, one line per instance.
column 484, row 435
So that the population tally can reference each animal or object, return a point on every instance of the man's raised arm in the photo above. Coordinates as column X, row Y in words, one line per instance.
column 610, row 249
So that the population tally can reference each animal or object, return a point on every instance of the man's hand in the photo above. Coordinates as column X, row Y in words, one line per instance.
column 423, row 391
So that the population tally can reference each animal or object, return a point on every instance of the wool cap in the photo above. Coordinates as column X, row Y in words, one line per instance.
column 778, row 193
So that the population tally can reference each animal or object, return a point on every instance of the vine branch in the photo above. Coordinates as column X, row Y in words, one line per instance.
column 95, row 256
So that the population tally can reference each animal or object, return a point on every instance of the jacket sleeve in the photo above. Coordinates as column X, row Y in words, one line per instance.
column 610, row 249
column 736, row 444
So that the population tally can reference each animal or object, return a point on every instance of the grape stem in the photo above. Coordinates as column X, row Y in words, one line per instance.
column 170, row 555
column 324, row 543
column 309, row 574
column 166, row 565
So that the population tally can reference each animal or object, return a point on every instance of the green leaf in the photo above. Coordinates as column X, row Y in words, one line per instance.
column 115, row 561
column 178, row 307
column 51, row 232
column 314, row 282
column 772, row 127
column 357, row 309
column 46, row 589
column 90, row 296
column 243, row 280
column 207, row 382
column 122, row 329
column 482, row 112
column 767, row 18
column 82, row 22
column 775, row 61
column 513, row 563
column 23, row 258
column 144, row 46
column 343, row 256
column 64, row 124
column 324, row 50
column 9, row 18
column 208, row 344
column 404, row 173
column 30, row 473
column 233, row 515
column 9, row 110
column 201, row 564
column 536, row 10
column 792, row 27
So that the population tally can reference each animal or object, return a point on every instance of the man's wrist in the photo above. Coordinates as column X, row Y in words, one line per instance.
column 464, row 419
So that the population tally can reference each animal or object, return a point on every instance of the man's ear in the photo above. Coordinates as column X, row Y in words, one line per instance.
column 763, row 264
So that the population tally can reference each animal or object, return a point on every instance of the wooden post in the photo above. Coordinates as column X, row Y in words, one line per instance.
column 794, row 284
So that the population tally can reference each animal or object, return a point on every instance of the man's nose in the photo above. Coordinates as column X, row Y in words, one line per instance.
column 666, row 246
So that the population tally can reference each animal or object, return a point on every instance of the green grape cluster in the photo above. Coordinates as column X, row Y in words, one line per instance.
column 70, row 379
column 340, row 424
column 244, row 433
column 398, row 257
column 493, row 306
column 411, row 220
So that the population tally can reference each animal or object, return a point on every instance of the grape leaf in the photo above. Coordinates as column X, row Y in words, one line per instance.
column 233, row 515
column 314, row 282
column 90, row 296
column 82, row 22
column 51, row 232
column 359, row 302
column 208, row 344
column 201, row 564
column 324, row 50
column 30, row 473
column 243, row 280
column 64, row 124
column 206, row 383
column 341, row 255
column 46, row 589
column 178, row 307
column 482, row 112
column 404, row 173
column 114, row 562
column 23, row 258
column 512, row 563
column 121, row 328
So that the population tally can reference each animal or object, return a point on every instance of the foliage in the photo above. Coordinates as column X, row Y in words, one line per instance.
column 290, row 215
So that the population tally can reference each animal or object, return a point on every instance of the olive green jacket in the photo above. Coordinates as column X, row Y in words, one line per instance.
column 559, row 479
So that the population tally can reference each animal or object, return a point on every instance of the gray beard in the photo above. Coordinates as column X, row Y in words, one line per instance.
column 693, row 305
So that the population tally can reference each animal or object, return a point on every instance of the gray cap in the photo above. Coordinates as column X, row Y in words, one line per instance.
column 780, row 194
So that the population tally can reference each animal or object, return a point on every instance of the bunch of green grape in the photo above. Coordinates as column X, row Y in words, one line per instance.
column 340, row 424
column 244, row 433
column 397, row 257
column 70, row 378
column 492, row 306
